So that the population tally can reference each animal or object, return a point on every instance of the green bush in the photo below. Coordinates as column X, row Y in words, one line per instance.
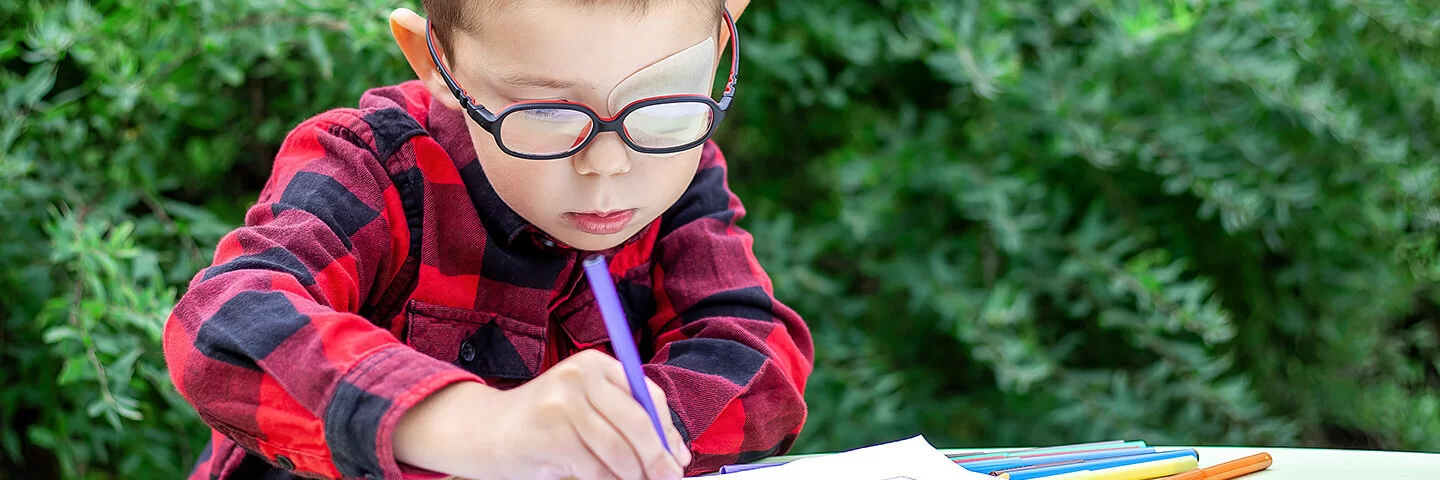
column 1188, row 222
column 135, row 132
column 1024, row 222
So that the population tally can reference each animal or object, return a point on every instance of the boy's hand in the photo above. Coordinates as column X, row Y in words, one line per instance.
column 576, row 420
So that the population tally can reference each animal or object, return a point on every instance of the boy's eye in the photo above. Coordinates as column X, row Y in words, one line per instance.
column 543, row 113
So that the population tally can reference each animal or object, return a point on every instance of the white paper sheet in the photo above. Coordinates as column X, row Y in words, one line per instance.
column 911, row 459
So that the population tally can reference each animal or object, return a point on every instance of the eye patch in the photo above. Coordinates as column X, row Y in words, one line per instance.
column 691, row 70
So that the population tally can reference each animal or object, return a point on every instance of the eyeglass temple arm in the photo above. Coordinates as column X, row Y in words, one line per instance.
column 729, row 93
column 466, row 102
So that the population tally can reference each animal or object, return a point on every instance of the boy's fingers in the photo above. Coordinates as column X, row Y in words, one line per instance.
column 587, row 464
column 677, row 446
column 600, row 365
column 629, row 418
column 657, row 394
column 590, row 466
column 609, row 369
column 609, row 450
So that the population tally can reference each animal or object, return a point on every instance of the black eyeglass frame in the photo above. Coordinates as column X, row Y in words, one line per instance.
column 491, row 122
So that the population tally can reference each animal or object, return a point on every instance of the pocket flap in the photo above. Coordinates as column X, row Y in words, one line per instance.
column 486, row 344
column 582, row 322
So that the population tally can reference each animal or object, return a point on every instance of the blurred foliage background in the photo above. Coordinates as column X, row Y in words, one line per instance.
column 1008, row 223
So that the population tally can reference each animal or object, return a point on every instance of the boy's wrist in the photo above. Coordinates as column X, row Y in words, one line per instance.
column 435, row 434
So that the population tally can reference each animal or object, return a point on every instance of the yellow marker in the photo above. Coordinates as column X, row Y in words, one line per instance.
column 1142, row 471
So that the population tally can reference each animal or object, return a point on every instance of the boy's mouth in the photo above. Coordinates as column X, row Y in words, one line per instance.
column 600, row 223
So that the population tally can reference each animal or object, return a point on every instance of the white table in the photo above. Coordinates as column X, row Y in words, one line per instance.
column 1305, row 463
column 1323, row 464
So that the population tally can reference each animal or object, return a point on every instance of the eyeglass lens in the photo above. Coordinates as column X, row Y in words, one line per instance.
column 550, row 130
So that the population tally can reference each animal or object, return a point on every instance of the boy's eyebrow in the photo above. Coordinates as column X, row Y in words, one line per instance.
column 538, row 81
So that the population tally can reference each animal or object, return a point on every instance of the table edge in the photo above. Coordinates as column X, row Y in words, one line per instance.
column 786, row 458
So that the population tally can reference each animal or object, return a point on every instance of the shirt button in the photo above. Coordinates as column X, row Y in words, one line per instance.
column 285, row 463
column 547, row 242
column 467, row 352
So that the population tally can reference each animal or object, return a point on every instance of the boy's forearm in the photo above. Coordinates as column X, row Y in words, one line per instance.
column 431, row 434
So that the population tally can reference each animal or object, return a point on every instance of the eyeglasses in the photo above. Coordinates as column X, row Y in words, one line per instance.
column 548, row 130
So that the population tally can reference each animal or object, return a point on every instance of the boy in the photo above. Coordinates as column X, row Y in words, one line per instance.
column 405, row 300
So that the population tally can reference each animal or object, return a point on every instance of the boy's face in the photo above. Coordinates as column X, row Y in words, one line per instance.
column 604, row 57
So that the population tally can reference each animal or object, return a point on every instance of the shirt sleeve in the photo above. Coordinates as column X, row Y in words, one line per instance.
column 267, row 343
column 732, row 359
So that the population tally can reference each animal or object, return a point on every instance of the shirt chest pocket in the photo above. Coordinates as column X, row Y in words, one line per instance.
column 584, row 327
column 505, row 352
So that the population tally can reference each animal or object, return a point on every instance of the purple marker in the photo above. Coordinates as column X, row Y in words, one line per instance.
column 747, row 466
column 620, row 337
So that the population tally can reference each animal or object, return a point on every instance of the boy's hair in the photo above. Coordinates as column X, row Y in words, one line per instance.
column 450, row 16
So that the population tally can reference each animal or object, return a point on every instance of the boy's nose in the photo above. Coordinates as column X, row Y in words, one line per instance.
column 605, row 155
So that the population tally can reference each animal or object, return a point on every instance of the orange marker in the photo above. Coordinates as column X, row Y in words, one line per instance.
column 1227, row 470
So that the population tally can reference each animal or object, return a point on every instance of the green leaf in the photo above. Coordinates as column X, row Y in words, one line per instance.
column 29, row 92
column 129, row 408
column 75, row 369
column 60, row 333
column 320, row 53
column 229, row 73
column 11, row 441
column 8, row 49
column 122, row 368
column 97, row 408
column 42, row 437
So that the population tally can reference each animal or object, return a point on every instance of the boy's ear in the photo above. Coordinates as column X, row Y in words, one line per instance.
column 409, row 29
column 735, row 7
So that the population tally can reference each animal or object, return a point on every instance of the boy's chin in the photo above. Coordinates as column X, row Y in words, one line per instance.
column 590, row 242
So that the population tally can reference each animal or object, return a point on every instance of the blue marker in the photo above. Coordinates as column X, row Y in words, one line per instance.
column 990, row 466
column 620, row 337
column 1040, row 472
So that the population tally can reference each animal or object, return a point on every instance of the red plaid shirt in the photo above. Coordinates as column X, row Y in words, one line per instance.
column 379, row 266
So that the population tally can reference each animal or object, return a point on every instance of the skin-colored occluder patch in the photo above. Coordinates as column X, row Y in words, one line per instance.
column 688, row 71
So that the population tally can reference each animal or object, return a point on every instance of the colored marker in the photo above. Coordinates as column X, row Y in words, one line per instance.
column 1230, row 469
column 1049, row 450
column 1030, row 473
column 747, row 466
column 956, row 456
column 1141, row 471
column 621, row 340
column 1038, row 456
column 1034, row 455
column 1006, row 473
column 988, row 466
column 964, row 458
column 968, row 456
